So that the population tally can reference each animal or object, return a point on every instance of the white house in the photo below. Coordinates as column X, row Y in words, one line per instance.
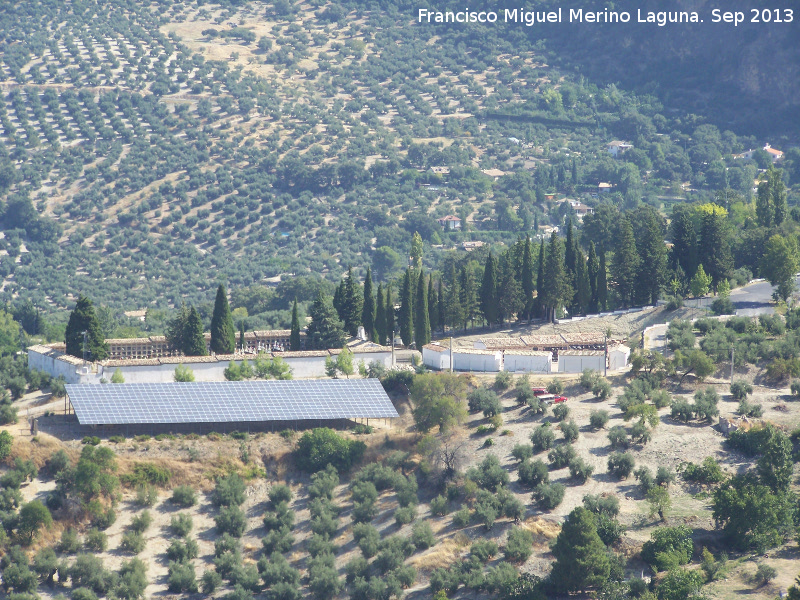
column 575, row 361
column 617, row 148
column 436, row 357
column 776, row 155
column 618, row 357
column 450, row 223
column 527, row 361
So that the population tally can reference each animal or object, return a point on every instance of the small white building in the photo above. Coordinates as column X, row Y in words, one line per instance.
column 470, row 359
column 527, row 361
column 618, row 357
column 436, row 357
column 617, row 148
column 575, row 361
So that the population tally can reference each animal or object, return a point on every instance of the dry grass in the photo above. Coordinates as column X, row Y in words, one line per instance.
column 542, row 529
column 38, row 451
column 442, row 555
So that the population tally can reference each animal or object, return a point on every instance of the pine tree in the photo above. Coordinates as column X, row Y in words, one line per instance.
column 488, row 293
column 527, row 279
column 407, row 308
column 625, row 265
column 422, row 324
column 715, row 244
column 176, row 329
column 294, row 335
column 352, row 304
column 368, row 312
column 593, row 270
column 684, row 242
column 453, row 308
column 602, row 283
column 390, row 326
column 538, row 307
column 433, row 308
column 581, row 558
column 469, row 294
column 380, row 316
column 325, row 330
column 583, row 290
column 653, row 254
column 223, row 333
column 83, row 318
column 194, row 340
column 556, row 289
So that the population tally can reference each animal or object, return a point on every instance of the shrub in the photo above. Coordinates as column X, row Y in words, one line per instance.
column 609, row 529
column 503, row 379
column 181, row 551
column 140, row 523
column 69, row 543
column 543, row 437
column 588, row 378
column 764, row 574
column 95, row 541
column 795, row 387
column 440, row 506
column 549, row 495
column 485, row 400
column 422, row 535
column 367, row 539
column 580, row 470
column 229, row 491
column 279, row 493
column 645, row 479
column 279, row 540
column 461, row 517
column 181, row 524
column 570, row 430
column 231, row 519
column 707, row 472
column 319, row 544
column 132, row 542
column 598, row 419
column 681, row 410
column 602, row 505
column 489, row 475
column 618, row 437
column 210, row 581
column 322, row 446
column 522, row 452
column 747, row 409
column 146, row 495
column 184, row 495
column 181, row 578
column 560, row 456
column 147, row 473
column 560, row 411
column 668, row 547
column 664, row 476
column 661, row 398
column 519, row 545
column 483, row 549
column 602, row 389
column 405, row 515
column 323, row 483
column 555, row 386
column 620, row 464
column 641, row 433
column 740, row 390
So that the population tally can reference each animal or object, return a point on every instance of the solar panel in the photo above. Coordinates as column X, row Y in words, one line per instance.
column 229, row 401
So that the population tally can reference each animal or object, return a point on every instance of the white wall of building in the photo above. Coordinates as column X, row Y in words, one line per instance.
column 577, row 363
column 485, row 363
column 519, row 363
column 438, row 361
column 618, row 357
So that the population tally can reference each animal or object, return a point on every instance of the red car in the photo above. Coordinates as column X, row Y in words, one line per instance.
column 539, row 391
column 560, row 399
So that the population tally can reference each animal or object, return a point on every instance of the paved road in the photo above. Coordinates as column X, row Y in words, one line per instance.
column 755, row 298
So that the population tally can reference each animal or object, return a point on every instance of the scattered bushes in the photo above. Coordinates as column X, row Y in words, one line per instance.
column 531, row 474
column 519, row 545
column 598, row 419
column 570, row 430
column 560, row 456
column 184, row 495
column 229, row 491
column 560, row 411
column 543, row 437
column 668, row 547
column 620, row 464
column 549, row 495
column 422, row 535
column 322, row 446
column 485, row 400
column 580, row 470
column 708, row 472
column 618, row 437
column 180, row 524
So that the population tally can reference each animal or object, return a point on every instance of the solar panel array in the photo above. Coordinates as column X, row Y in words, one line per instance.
column 229, row 401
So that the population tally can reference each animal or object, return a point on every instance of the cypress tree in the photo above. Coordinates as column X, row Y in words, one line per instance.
column 177, row 328
column 454, row 310
column 653, row 253
column 407, row 309
column 422, row 324
column 777, row 191
column 527, row 278
column 593, row 271
column 194, row 340
column 352, row 304
column 569, row 252
column 556, row 283
column 626, row 262
column 538, row 307
column 488, row 293
column 338, row 300
column 583, row 291
column 390, row 326
column 509, row 292
column 684, row 242
column 325, row 330
column 433, row 308
column 83, row 318
column 715, row 247
column 574, row 172
column 380, row 316
column 441, row 316
column 368, row 312
column 469, row 294
column 602, row 283
column 294, row 336
column 223, row 333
